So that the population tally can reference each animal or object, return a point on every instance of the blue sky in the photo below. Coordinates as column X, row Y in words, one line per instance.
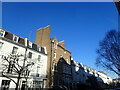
column 81, row 25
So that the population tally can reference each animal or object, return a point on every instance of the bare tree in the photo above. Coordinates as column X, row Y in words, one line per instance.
column 109, row 52
column 16, row 66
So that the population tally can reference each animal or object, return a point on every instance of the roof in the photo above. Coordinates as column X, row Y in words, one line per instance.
column 102, row 72
column 21, row 41
column 60, row 45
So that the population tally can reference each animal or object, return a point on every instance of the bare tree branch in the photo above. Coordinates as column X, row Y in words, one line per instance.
column 109, row 52
column 15, row 66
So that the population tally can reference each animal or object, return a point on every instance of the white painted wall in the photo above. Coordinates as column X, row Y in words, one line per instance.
column 81, row 75
column 7, row 49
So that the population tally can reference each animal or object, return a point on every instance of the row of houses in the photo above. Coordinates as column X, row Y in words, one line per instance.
column 53, row 65
column 81, row 74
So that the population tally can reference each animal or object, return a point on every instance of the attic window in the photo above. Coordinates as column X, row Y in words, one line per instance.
column 30, row 44
column 38, row 48
column 2, row 33
column 15, row 38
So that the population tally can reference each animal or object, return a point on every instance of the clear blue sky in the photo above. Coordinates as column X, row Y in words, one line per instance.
column 81, row 25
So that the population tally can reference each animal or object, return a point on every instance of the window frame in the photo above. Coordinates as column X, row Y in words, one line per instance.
column 30, row 44
column 39, row 57
column 39, row 48
column 54, row 55
column 2, row 34
column 5, row 84
column 14, row 50
column 17, row 38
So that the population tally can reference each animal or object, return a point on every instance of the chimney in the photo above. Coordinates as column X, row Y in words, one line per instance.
column 43, row 36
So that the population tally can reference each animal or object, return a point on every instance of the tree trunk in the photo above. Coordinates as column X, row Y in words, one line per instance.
column 18, row 79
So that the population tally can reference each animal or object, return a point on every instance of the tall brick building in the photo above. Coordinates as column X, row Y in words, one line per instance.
column 59, row 59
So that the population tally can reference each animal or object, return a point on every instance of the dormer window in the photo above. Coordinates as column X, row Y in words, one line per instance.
column 2, row 33
column 30, row 44
column 38, row 48
column 15, row 38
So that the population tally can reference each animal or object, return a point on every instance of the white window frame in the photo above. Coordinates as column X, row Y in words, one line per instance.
column 30, row 53
column 53, row 66
column 54, row 55
column 30, row 44
column 4, row 85
column 14, row 36
column 2, row 34
column 39, row 48
column 55, row 46
column 45, row 49
column 13, row 50
column 39, row 57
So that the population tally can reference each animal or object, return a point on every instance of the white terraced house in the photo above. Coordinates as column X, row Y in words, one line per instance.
column 80, row 73
column 13, row 44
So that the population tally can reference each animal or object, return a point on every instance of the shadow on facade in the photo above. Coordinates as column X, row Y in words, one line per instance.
column 85, row 78
column 62, row 75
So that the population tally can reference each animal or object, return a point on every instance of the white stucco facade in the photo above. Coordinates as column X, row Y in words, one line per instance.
column 81, row 73
column 38, row 72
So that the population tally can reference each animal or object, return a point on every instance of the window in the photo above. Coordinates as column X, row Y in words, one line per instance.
column 29, row 55
column 23, row 85
column 15, row 38
column 27, row 72
column 54, row 55
column 55, row 46
column 30, row 44
column 10, row 68
column 38, row 70
column 54, row 67
column 1, row 44
column 39, row 57
column 5, row 84
column 37, row 75
column 2, row 32
column 14, row 51
column 39, row 48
